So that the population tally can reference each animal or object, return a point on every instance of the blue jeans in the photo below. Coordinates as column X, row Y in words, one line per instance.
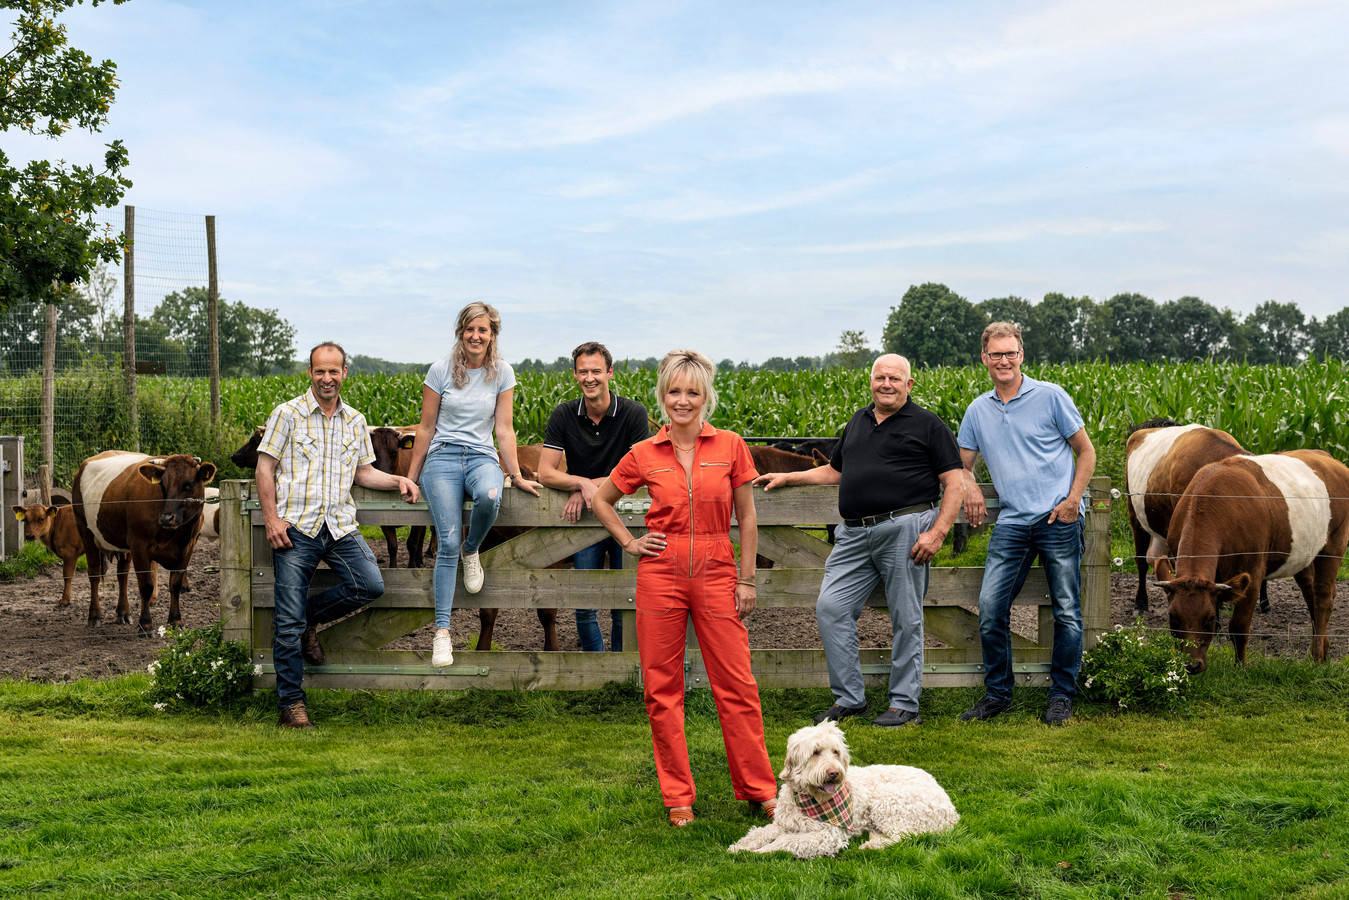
column 587, row 622
column 1011, row 550
column 450, row 474
column 860, row 558
column 359, row 582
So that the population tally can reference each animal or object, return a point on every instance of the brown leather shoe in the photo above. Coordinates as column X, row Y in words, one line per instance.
column 295, row 716
column 310, row 648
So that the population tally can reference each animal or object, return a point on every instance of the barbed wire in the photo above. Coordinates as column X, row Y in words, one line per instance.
column 1117, row 494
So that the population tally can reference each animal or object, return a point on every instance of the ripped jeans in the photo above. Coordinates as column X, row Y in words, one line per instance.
column 451, row 474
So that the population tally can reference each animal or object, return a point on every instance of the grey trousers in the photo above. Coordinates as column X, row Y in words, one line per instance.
column 860, row 558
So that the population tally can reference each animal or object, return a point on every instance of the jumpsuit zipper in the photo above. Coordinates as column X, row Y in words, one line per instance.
column 692, row 467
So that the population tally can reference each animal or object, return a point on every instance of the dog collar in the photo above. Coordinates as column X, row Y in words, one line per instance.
column 835, row 810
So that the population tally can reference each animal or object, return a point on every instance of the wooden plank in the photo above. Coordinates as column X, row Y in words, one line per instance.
column 959, row 628
column 791, row 548
column 236, row 583
column 371, row 629
column 542, row 547
column 1096, row 564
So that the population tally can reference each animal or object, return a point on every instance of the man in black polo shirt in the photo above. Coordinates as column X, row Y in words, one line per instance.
column 893, row 462
column 594, row 431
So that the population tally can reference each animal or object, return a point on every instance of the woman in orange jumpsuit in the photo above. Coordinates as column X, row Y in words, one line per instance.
column 695, row 474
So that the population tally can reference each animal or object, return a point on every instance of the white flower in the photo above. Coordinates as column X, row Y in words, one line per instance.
column 161, row 706
column 257, row 670
column 163, row 631
column 152, row 667
column 1119, row 627
column 215, row 665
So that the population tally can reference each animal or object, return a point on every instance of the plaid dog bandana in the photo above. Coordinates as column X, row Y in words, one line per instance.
column 836, row 810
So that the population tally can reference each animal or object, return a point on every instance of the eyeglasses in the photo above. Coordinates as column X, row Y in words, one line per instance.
column 999, row 357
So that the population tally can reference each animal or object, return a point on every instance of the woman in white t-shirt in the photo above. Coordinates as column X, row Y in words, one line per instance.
column 466, row 398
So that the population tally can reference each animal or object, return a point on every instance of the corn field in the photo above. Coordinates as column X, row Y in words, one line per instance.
column 1266, row 408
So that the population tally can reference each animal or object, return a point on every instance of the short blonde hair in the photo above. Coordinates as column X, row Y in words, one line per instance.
column 692, row 365
column 1001, row 330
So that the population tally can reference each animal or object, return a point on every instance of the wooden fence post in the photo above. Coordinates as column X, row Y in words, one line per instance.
column 236, row 582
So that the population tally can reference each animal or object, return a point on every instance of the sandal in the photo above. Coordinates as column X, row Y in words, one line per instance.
column 769, row 806
column 680, row 816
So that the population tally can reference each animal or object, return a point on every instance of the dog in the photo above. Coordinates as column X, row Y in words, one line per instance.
column 823, row 803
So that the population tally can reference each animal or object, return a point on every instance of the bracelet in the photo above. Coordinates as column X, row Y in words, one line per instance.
column 748, row 581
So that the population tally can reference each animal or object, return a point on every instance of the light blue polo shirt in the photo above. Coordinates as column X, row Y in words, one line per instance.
column 1024, row 442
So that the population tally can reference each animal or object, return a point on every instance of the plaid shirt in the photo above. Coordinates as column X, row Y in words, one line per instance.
column 317, row 458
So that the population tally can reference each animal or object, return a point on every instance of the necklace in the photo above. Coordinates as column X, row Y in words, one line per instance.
column 684, row 449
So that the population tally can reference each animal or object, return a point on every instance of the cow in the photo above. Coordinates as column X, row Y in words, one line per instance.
column 210, row 515
column 1160, row 458
column 55, row 527
column 1247, row 518
column 774, row 459
column 246, row 457
column 146, row 508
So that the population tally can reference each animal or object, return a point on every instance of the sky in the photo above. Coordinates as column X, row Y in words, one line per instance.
column 747, row 179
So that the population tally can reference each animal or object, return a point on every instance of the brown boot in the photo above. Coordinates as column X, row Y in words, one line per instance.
column 310, row 648
column 295, row 716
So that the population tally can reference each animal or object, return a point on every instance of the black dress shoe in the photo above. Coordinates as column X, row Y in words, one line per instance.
column 310, row 648
column 836, row 712
column 897, row 718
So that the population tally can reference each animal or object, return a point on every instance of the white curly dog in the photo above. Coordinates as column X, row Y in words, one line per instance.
column 823, row 803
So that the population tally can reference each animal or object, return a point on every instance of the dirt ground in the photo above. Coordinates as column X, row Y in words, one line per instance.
column 45, row 642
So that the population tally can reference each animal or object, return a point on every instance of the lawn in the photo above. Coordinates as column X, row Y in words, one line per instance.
column 499, row 794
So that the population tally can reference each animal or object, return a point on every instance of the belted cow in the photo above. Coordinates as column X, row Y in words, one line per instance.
column 1160, row 458
column 1248, row 518
column 149, row 509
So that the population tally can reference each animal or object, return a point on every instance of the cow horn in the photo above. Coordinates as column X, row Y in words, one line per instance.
column 1221, row 586
column 196, row 460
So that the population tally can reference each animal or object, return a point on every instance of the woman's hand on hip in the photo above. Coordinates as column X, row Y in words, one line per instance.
column 649, row 544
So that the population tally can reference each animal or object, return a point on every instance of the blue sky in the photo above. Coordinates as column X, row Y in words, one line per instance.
column 747, row 179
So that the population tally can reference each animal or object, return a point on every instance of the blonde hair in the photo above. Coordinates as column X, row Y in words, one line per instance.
column 689, row 364
column 459, row 358
column 1001, row 330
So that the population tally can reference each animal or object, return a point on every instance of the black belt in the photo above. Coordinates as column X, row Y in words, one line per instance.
column 868, row 521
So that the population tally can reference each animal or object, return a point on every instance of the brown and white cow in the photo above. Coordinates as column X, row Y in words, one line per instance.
column 1248, row 518
column 1160, row 458
column 55, row 527
column 149, row 509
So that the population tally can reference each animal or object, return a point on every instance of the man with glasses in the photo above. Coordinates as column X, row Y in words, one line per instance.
column 1028, row 432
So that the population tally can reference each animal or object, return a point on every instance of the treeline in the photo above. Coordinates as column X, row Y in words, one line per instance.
column 934, row 326
column 172, row 340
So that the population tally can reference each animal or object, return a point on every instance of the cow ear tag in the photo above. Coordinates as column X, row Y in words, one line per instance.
column 154, row 479
column 19, row 516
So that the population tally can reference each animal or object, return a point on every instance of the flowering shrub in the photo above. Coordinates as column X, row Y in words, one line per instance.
column 1136, row 669
column 199, row 669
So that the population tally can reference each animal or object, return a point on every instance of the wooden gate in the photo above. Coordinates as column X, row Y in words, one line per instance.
column 518, row 577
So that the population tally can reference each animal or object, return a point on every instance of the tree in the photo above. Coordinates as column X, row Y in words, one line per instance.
column 1195, row 330
column 1130, row 328
column 251, row 341
column 1331, row 337
column 852, row 351
column 49, row 240
column 1066, row 321
column 933, row 326
column 1276, row 334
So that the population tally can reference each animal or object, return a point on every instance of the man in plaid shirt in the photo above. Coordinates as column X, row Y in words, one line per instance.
column 314, row 448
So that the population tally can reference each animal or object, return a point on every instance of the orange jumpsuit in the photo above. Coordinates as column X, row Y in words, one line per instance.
column 695, row 576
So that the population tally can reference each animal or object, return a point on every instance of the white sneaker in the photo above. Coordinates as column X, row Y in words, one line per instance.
column 472, row 573
column 441, row 654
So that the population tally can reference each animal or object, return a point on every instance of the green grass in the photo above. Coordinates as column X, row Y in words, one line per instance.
column 500, row 794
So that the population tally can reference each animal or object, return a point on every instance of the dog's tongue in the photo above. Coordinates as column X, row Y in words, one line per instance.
column 830, row 787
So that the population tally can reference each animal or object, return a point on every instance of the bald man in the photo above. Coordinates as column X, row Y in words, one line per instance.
column 893, row 464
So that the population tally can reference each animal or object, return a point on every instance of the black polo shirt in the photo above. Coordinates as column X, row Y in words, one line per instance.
column 893, row 464
column 593, row 449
